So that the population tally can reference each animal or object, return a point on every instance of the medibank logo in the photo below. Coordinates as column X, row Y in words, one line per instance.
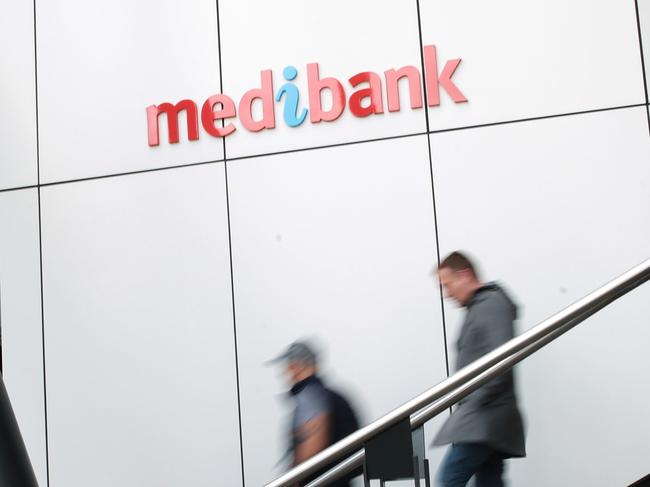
column 378, row 94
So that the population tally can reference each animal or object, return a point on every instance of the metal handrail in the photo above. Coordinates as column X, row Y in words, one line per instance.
column 421, row 417
column 478, row 372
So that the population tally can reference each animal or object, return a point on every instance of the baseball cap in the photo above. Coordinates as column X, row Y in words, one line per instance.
column 298, row 351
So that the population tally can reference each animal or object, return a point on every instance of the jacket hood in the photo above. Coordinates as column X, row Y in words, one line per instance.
column 488, row 290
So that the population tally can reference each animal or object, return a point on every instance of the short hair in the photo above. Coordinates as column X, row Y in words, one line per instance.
column 457, row 261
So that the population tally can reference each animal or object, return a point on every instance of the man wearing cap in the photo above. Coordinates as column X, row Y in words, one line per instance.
column 321, row 416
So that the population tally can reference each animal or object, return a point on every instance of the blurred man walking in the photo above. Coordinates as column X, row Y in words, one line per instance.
column 485, row 427
column 321, row 416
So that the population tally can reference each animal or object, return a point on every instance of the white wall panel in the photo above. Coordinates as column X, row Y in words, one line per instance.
column 586, row 399
column 337, row 245
column 555, row 208
column 17, row 96
column 529, row 59
column 644, row 21
column 345, row 38
column 20, row 300
column 138, row 315
column 102, row 63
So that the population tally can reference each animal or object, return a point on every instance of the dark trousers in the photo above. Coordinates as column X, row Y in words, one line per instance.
column 466, row 460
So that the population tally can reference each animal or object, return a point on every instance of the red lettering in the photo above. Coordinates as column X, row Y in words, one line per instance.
column 433, row 81
column 172, row 112
column 373, row 92
column 315, row 86
column 265, row 94
column 366, row 100
column 209, row 115
column 392, row 87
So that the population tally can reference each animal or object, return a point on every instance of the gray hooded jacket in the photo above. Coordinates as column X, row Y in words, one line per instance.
column 489, row 415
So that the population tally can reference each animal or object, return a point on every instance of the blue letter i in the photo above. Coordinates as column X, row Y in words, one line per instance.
column 292, row 98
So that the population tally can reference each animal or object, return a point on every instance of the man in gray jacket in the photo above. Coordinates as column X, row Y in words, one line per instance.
column 485, row 427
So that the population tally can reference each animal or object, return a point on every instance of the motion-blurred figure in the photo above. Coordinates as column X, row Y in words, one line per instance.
column 321, row 416
column 485, row 427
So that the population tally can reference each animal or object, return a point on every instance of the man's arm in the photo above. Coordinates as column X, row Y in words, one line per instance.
column 313, row 437
column 495, row 322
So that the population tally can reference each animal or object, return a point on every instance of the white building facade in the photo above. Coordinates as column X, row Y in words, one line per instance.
column 145, row 281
